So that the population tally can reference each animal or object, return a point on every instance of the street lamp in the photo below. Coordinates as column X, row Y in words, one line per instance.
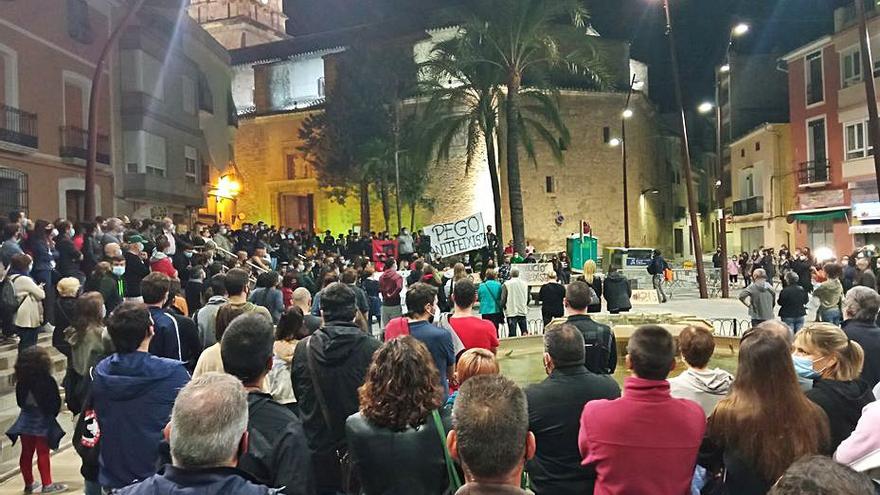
column 740, row 29
column 627, row 113
column 705, row 107
column 686, row 156
column 614, row 142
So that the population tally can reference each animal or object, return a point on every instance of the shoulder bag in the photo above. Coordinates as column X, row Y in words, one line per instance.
column 350, row 482
column 451, row 471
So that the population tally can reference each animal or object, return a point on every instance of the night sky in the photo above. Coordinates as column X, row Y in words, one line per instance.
column 701, row 27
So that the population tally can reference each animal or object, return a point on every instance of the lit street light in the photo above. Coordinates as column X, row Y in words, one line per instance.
column 627, row 113
column 705, row 107
column 740, row 29
column 725, row 68
column 614, row 142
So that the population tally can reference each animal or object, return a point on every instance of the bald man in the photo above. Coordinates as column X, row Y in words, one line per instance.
column 302, row 299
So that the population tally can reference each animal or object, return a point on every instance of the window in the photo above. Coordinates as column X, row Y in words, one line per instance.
column 815, row 81
column 291, row 166
column 855, row 134
column 13, row 190
column 757, row 145
column 191, row 160
column 550, row 186
column 851, row 67
column 144, row 153
column 78, row 25
column 816, row 141
column 820, row 234
column 606, row 134
column 8, row 76
column 189, row 95
column 321, row 87
column 142, row 73
column 742, row 153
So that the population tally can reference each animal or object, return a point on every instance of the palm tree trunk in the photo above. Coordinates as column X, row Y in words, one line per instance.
column 386, row 209
column 514, row 183
column 365, row 206
column 412, row 216
column 496, row 186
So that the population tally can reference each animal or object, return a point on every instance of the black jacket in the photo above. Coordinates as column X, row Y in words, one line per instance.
column 45, row 393
column 342, row 355
column 555, row 407
column 843, row 403
column 867, row 334
column 866, row 279
column 213, row 481
column 551, row 295
column 278, row 454
column 68, row 258
column 617, row 292
column 409, row 461
column 804, row 273
column 793, row 300
column 588, row 328
column 135, row 271
column 65, row 310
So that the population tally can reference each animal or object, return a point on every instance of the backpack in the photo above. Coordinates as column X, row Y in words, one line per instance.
column 596, row 352
column 8, row 302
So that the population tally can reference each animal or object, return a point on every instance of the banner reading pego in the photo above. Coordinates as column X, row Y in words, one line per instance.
column 461, row 236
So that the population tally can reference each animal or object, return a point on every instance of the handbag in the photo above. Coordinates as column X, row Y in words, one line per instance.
column 350, row 481
column 451, row 471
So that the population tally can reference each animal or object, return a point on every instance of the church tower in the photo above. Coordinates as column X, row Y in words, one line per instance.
column 241, row 23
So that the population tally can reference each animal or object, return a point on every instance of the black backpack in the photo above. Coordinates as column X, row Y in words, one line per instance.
column 596, row 351
column 9, row 304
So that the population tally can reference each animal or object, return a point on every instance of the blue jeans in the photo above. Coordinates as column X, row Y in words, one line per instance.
column 795, row 323
column 27, row 337
column 831, row 316
column 517, row 321
column 91, row 488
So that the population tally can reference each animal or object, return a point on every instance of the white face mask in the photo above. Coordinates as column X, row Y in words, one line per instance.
column 103, row 311
column 54, row 233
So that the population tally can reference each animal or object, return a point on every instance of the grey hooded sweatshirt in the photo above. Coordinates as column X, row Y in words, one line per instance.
column 761, row 299
column 705, row 387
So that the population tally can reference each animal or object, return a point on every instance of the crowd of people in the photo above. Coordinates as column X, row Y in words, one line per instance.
column 270, row 360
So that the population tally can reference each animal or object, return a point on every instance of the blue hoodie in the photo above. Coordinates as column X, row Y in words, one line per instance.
column 133, row 395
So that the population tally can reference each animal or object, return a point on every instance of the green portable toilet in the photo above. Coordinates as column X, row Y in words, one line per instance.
column 580, row 250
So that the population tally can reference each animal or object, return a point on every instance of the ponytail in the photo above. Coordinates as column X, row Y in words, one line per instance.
column 851, row 361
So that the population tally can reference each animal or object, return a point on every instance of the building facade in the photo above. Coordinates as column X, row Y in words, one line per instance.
column 241, row 23
column 46, row 67
column 177, row 121
column 832, row 153
column 763, row 190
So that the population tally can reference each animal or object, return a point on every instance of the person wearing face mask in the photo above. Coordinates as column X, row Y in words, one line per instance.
column 836, row 365
column 160, row 262
column 69, row 258
column 104, row 280
column 182, row 261
column 247, row 241
column 221, row 238
column 31, row 295
column 136, row 268
column 864, row 276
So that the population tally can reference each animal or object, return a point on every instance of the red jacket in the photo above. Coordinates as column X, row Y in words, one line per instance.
column 646, row 442
column 163, row 265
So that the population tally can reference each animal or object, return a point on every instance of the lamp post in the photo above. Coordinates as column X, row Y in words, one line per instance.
column 627, row 113
column 870, row 92
column 686, row 158
column 97, row 77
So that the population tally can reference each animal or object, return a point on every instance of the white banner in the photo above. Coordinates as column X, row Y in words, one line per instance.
column 534, row 273
column 461, row 236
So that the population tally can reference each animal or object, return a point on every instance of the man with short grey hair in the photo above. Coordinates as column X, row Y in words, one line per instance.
column 207, row 433
column 860, row 308
column 759, row 297
column 490, row 435
column 515, row 301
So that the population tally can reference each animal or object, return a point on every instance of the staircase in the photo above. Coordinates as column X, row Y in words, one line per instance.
column 9, row 409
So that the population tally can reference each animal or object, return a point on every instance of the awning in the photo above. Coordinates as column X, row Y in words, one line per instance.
column 871, row 228
column 820, row 214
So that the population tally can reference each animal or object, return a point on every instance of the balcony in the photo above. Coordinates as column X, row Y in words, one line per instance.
column 815, row 172
column 75, row 146
column 18, row 130
column 748, row 206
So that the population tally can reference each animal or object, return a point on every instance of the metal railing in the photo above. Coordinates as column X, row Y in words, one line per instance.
column 814, row 171
column 18, row 127
column 75, row 144
column 748, row 206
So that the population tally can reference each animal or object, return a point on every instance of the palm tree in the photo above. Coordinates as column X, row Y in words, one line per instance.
column 525, row 40
column 465, row 92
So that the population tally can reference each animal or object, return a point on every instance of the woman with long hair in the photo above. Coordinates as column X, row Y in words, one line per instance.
column 36, row 393
column 89, row 343
column 288, row 332
column 589, row 276
column 393, row 441
column 823, row 353
column 766, row 422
